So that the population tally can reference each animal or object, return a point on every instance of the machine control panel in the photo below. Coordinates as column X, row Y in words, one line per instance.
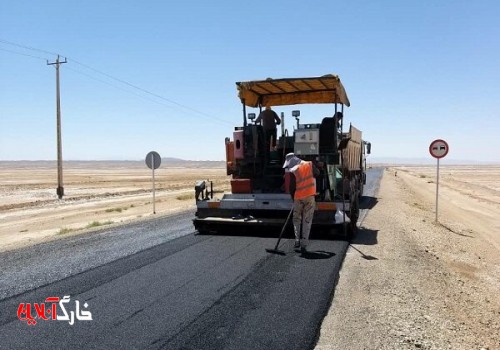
column 306, row 142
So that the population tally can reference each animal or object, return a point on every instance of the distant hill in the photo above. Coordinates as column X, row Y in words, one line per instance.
column 425, row 161
column 178, row 162
column 165, row 162
column 172, row 160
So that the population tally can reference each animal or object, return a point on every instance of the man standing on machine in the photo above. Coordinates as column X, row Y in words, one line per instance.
column 303, row 191
column 269, row 120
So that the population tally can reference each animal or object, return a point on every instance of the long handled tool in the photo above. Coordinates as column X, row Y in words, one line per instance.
column 275, row 250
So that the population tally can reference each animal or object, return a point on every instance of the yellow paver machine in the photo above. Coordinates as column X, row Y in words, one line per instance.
column 259, row 195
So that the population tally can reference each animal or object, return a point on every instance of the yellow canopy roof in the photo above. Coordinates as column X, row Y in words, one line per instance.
column 292, row 91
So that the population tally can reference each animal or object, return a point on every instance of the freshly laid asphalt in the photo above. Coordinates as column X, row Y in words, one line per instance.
column 179, row 292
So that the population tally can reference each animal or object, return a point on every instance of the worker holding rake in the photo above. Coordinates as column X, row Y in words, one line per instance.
column 303, row 191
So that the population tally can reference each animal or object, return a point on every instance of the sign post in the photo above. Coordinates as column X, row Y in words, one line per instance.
column 153, row 161
column 438, row 149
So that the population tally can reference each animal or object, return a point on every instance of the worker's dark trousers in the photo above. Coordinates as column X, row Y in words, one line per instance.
column 270, row 136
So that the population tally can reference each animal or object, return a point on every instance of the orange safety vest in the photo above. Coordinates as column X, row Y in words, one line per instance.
column 305, row 185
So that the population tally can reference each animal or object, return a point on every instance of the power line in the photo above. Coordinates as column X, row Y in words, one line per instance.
column 116, row 79
column 22, row 54
column 27, row 47
column 152, row 93
column 117, row 87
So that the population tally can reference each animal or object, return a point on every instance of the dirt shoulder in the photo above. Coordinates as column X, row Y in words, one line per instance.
column 409, row 283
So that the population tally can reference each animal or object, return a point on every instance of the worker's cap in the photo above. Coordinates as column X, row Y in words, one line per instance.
column 291, row 160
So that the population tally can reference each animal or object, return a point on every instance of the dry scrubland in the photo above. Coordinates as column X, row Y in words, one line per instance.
column 97, row 194
column 406, row 282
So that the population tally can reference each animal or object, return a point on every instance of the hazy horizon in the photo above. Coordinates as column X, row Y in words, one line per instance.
column 370, row 160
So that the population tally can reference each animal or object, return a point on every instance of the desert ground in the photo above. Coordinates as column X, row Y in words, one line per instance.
column 96, row 194
column 407, row 282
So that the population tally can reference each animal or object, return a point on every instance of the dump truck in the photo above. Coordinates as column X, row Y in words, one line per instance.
column 259, row 196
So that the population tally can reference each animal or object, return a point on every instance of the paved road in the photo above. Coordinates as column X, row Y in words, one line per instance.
column 156, row 285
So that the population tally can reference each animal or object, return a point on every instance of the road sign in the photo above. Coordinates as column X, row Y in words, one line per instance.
column 153, row 160
column 438, row 148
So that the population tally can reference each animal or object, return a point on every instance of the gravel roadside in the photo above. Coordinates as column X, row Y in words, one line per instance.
column 408, row 283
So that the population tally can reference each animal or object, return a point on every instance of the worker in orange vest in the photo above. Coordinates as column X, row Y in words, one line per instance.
column 303, row 190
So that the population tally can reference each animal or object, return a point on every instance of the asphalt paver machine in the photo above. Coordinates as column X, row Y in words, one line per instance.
column 259, row 197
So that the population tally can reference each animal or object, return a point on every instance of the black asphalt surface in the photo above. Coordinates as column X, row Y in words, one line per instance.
column 183, row 291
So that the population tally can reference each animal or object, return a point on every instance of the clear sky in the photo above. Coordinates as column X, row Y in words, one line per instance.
column 160, row 75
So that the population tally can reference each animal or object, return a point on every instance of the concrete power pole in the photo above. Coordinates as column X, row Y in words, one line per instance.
column 60, row 188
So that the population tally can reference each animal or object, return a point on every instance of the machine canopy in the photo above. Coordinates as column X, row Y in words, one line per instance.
column 292, row 91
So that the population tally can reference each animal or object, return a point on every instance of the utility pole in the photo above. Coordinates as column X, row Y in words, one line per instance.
column 60, row 188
